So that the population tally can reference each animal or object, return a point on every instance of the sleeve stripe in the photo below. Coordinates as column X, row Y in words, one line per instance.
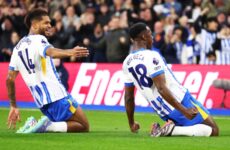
column 11, row 68
column 129, row 84
column 45, row 49
column 157, row 73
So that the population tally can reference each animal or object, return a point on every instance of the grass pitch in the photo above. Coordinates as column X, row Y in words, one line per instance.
column 109, row 131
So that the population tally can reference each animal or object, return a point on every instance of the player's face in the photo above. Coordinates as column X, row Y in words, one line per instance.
column 149, row 38
column 45, row 26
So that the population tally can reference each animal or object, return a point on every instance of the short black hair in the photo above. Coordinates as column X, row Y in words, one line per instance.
column 212, row 19
column 136, row 29
column 35, row 14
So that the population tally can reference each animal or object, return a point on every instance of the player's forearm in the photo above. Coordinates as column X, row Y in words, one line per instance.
column 130, row 107
column 11, row 92
column 160, row 83
column 166, row 94
column 58, row 53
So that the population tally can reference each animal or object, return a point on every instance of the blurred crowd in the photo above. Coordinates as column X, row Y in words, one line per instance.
column 184, row 31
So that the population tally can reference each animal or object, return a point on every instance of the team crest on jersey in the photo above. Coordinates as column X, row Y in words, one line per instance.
column 155, row 61
column 44, row 42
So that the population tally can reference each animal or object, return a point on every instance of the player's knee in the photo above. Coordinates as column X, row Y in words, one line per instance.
column 87, row 127
column 215, row 131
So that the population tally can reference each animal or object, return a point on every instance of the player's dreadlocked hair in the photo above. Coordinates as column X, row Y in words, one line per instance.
column 35, row 14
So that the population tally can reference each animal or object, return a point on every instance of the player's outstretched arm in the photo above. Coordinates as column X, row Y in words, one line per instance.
column 160, row 83
column 14, row 114
column 60, row 53
column 130, row 107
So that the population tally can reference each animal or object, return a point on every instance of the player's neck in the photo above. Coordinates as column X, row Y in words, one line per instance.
column 32, row 32
column 139, row 45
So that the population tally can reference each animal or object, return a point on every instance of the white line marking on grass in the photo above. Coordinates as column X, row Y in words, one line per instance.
column 222, row 117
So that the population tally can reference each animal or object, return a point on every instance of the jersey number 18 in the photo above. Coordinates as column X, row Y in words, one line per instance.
column 142, row 80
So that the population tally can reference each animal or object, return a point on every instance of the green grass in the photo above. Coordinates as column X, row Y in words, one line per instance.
column 109, row 131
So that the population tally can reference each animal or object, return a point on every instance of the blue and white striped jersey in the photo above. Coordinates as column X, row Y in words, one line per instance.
column 140, row 67
column 223, row 58
column 37, row 69
column 191, row 51
column 208, row 38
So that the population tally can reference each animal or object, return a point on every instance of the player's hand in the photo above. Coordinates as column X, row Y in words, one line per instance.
column 13, row 117
column 190, row 113
column 135, row 127
column 80, row 51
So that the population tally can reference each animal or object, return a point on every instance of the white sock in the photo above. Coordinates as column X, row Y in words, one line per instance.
column 57, row 127
column 195, row 130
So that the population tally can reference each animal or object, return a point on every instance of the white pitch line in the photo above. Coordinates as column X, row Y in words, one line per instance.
column 222, row 117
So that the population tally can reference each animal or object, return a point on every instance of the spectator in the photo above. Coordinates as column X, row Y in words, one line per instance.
column 221, row 18
column 183, row 24
column 98, row 55
column 70, row 19
column 116, row 42
column 38, row 4
column 117, row 6
column 8, row 49
column 219, row 5
column 57, row 16
column 64, row 4
column 128, row 5
column 148, row 16
column 87, row 25
column 5, row 37
column 58, row 37
column 208, row 36
column 169, row 24
column 124, row 20
column 104, row 15
column 194, row 11
column 222, row 46
column 78, row 6
column 192, row 48
column 84, row 30
column 174, row 47
column 91, row 8
column 172, row 5
column 159, row 37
